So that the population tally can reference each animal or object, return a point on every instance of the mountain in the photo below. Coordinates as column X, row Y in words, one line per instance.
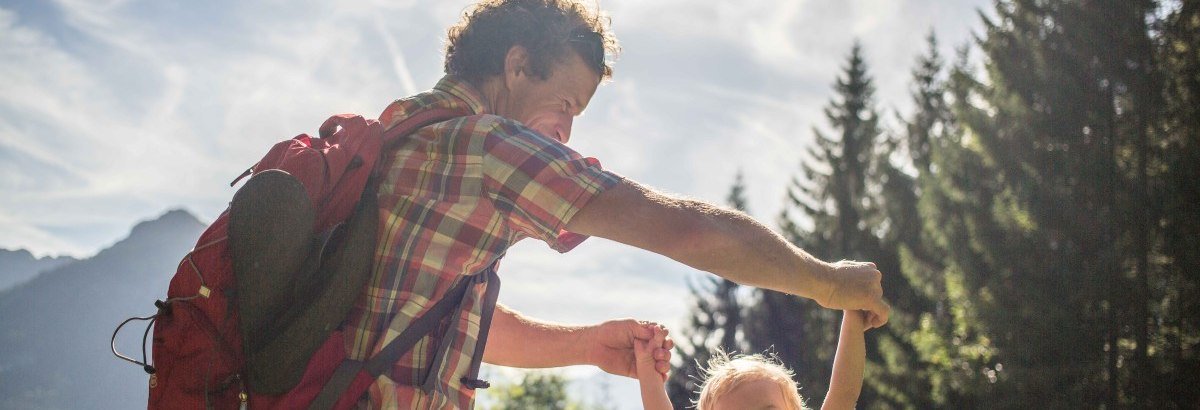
column 17, row 266
column 55, row 329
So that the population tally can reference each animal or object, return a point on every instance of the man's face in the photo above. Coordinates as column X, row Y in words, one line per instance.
column 549, row 106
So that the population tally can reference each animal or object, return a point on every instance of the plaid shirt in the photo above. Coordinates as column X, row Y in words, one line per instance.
column 455, row 196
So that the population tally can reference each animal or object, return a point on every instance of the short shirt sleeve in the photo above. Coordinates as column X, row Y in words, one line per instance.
column 540, row 183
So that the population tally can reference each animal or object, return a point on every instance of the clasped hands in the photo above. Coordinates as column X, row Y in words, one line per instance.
column 851, row 285
column 612, row 343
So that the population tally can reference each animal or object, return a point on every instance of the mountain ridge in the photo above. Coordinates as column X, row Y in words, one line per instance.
column 20, row 265
column 56, row 326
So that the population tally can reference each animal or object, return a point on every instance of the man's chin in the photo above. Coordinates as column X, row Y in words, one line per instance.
column 553, row 135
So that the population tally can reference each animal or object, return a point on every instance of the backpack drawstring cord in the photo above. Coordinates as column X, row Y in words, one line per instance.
column 163, row 308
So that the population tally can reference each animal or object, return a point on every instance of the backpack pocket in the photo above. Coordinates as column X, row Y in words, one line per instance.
column 195, row 366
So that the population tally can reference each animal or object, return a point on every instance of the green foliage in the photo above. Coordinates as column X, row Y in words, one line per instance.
column 536, row 391
column 1042, row 211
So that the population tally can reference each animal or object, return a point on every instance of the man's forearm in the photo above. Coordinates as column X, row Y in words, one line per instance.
column 735, row 246
column 725, row 242
column 519, row 341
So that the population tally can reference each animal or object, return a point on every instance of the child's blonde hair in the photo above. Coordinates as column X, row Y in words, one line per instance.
column 724, row 373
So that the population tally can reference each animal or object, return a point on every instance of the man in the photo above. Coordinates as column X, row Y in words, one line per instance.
column 459, row 193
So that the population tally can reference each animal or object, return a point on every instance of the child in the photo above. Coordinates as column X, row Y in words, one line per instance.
column 754, row 382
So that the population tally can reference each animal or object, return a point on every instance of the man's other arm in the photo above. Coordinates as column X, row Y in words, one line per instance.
column 730, row 244
column 516, row 340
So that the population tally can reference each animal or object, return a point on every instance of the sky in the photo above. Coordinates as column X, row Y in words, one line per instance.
column 115, row 111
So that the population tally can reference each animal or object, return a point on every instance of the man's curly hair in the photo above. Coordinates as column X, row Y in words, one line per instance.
column 478, row 44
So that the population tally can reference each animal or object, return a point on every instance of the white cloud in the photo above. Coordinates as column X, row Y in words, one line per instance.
column 194, row 111
column 398, row 61
column 16, row 235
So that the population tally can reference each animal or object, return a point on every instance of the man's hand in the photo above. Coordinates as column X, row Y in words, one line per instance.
column 856, row 286
column 611, row 346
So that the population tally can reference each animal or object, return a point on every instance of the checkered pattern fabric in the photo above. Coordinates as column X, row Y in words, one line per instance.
column 455, row 196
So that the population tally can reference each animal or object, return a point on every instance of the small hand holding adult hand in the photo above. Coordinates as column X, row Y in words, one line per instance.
column 643, row 352
column 856, row 286
column 612, row 343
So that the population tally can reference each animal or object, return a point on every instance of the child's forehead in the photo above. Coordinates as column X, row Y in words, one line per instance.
column 753, row 367
column 755, row 394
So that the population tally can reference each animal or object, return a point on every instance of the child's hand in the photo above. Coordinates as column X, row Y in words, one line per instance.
column 644, row 358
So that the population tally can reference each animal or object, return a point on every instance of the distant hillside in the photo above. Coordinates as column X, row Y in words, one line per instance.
column 17, row 266
column 55, row 329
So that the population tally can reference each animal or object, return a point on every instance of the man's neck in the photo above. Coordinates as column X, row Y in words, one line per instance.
column 494, row 94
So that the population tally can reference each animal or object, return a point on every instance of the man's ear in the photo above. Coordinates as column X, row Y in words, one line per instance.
column 516, row 65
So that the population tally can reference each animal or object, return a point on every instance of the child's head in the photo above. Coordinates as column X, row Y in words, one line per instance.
column 744, row 382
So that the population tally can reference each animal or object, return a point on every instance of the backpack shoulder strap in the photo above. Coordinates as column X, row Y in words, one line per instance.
column 417, row 121
column 349, row 370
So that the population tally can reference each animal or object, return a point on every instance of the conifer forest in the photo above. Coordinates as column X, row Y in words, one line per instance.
column 1036, row 217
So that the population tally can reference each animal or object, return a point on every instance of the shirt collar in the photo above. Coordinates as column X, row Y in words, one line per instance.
column 464, row 91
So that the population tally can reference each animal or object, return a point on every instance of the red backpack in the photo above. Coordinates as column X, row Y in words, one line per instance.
column 271, row 341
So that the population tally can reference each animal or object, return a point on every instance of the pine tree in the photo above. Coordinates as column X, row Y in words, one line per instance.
column 1034, row 274
column 1177, row 296
column 903, row 377
column 1043, row 209
column 929, row 121
column 715, row 322
column 957, row 357
column 833, row 193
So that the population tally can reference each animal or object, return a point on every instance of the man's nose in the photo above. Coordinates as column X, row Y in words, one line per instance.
column 565, row 129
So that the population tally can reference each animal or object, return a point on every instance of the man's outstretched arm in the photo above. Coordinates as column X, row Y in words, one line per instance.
column 730, row 244
column 516, row 340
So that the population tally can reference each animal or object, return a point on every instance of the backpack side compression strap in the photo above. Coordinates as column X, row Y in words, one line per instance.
column 485, row 324
column 378, row 364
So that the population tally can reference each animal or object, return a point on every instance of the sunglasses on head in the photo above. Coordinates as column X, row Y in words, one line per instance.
column 590, row 46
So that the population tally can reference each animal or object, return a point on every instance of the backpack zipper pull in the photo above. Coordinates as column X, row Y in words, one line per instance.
column 243, row 175
column 243, row 398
